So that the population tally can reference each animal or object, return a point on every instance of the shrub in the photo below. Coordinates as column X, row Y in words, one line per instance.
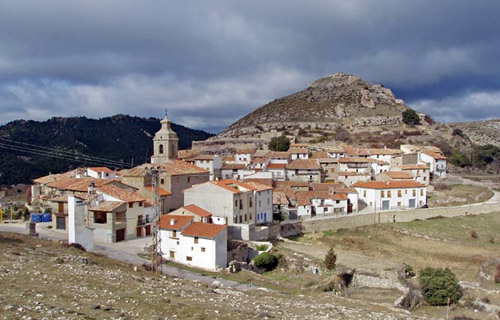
column 492, row 240
column 26, row 214
column 474, row 234
column 459, row 132
column 266, row 261
column 330, row 259
column 262, row 247
column 438, row 285
column 460, row 160
column 281, row 143
column 410, row 117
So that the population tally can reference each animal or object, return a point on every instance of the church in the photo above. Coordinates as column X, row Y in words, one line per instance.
column 175, row 175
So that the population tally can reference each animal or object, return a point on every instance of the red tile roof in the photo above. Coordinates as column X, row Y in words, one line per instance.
column 121, row 194
column 357, row 160
column 308, row 164
column 179, row 222
column 414, row 167
column 197, row 210
column 435, row 155
column 162, row 192
column 276, row 166
column 101, row 169
column 107, row 206
column 304, row 197
column 279, row 155
column 397, row 175
column 203, row 230
column 298, row 151
column 264, row 181
column 234, row 166
column 388, row 184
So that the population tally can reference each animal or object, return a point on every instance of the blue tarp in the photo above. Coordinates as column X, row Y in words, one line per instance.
column 35, row 217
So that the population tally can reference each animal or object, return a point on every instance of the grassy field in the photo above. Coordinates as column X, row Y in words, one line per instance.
column 457, row 194
column 439, row 243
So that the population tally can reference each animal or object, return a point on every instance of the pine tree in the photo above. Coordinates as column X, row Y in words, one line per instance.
column 330, row 259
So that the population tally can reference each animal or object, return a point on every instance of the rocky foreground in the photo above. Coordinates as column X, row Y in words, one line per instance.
column 48, row 280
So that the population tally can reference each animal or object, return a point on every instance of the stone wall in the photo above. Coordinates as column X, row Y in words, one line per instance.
column 396, row 216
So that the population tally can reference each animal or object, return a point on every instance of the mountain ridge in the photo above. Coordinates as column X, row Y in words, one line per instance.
column 120, row 138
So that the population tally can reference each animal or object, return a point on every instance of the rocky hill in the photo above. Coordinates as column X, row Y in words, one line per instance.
column 481, row 132
column 120, row 138
column 370, row 113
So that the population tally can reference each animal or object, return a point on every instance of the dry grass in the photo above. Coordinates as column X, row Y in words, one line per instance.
column 458, row 194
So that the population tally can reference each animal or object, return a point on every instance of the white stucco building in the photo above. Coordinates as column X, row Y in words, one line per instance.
column 198, row 244
column 388, row 195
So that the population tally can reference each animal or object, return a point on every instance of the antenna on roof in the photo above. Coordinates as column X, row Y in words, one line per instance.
column 166, row 111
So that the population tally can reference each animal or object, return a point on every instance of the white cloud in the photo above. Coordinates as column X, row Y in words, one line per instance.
column 471, row 106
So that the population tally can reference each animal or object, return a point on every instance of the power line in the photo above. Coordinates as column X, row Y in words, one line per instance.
column 75, row 158
column 63, row 152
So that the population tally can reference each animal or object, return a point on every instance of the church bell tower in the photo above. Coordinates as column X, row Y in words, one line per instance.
column 165, row 143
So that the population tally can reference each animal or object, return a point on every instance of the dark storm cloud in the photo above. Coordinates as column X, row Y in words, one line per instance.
column 211, row 62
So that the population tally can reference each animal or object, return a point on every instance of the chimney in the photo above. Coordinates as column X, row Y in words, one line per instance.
column 172, row 222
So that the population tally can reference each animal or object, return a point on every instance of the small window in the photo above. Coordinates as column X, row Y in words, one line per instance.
column 195, row 239
column 241, row 204
column 140, row 204
column 399, row 193
column 382, row 194
column 189, row 258
column 241, row 218
column 162, row 181
column 414, row 192
column 422, row 192
column 161, row 148
column 364, row 193
column 189, row 179
column 388, row 193
column 235, row 203
column 246, row 217
column 131, row 205
column 250, row 202
column 203, row 250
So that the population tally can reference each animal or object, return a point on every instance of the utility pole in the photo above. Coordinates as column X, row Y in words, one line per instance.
column 156, row 253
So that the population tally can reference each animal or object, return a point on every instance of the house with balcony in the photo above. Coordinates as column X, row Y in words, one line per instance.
column 116, row 214
column 304, row 170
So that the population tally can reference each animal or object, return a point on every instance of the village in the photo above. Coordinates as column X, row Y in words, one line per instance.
column 212, row 206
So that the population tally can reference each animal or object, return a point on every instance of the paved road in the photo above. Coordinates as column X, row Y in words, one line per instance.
column 127, row 251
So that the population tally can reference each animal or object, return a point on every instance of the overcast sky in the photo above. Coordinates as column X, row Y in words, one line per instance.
column 212, row 62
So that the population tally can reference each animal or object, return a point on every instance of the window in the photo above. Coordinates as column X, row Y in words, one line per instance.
column 241, row 217
column 267, row 201
column 162, row 181
column 382, row 194
column 235, row 203
column 337, row 201
column 131, row 205
column 246, row 218
column 203, row 250
column 364, row 193
column 189, row 258
column 422, row 192
column 241, row 204
column 235, row 220
column 399, row 204
column 399, row 193
column 195, row 239
column 174, row 234
column 140, row 204
column 414, row 192
column 250, row 216
column 260, row 204
column 189, row 179
column 406, row 191
column 100, row 217
column 388, row 193
column 161, row 148
column 250, row 202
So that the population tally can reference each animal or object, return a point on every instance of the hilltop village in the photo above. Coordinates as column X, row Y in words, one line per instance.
column 211, row 205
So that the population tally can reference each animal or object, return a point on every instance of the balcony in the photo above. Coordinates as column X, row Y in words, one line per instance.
column 141, row 221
